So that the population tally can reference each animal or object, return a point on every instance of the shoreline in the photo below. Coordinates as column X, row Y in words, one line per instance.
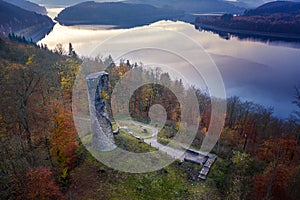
column 249, row 33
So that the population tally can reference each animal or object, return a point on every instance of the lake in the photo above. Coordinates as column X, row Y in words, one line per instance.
column 265, row 73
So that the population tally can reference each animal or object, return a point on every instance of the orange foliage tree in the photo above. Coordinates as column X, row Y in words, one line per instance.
column 283, row 149
column 281, row 185
column 40, row 185
column 279, row 181
column 64, row 142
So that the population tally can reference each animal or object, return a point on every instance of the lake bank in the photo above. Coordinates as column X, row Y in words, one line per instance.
column 278, row 36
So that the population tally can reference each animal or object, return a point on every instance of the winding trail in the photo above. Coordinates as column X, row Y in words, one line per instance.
column 175, row 153
column 184, row 154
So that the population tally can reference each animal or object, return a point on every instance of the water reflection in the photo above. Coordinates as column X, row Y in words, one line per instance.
column 253, row 70
column 277, row 40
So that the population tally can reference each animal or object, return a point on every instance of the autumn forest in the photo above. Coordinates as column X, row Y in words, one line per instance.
column 42, row 156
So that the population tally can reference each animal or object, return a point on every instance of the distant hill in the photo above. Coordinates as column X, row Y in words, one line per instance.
column 27, row 5
column 251, row 4
column 119, row 14
column 67, row 3
column 248, row 3
column 287, row 7
column 194, row 6
column 31, row 25
column 279, row 19
column 58, row 3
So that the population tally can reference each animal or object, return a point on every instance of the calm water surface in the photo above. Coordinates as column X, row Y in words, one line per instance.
column 255, row 71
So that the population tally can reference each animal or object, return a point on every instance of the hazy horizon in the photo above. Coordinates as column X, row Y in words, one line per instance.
column 251, row 3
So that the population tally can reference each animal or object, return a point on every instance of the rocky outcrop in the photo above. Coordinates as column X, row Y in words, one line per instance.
column 98, row 91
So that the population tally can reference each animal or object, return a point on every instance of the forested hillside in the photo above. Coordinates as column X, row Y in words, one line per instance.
column 28, row 5
column 41, row 156
column 38, row 139
column 195, row 6
column 272, row 18
column 31, row 25
column 276, row 7
column 115, row 13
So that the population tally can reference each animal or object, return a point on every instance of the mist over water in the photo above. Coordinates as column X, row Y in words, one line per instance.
column 255, row 71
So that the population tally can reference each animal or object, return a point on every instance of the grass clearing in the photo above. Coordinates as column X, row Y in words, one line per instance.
column 93, row 180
